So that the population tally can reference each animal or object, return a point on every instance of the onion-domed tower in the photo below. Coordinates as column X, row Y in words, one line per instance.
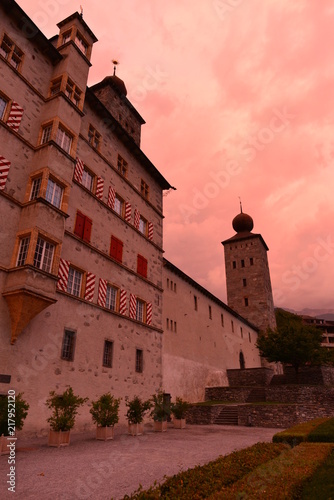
column 248, row 282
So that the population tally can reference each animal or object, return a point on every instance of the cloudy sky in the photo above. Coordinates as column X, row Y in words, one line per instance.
column 238, row 96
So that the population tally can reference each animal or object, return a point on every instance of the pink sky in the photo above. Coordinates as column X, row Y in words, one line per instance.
column 238, row 99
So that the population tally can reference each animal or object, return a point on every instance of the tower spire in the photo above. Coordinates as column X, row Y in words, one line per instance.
column 240, row 205
column 115, row 62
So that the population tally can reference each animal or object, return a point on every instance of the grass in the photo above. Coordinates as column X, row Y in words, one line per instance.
column 323, row 433
column 321, row 485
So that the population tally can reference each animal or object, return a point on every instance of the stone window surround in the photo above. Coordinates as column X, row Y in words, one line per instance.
column 46, row 173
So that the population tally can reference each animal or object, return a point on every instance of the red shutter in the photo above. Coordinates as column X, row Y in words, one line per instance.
column 150, row 230
column 79, row 224
column 149, row 313
column 90, row 286
column 4, row 169
column 99, row 188
column 63, row 270
column 142, row 266
column 116, row 249
column 102, row 293
column 133, row 306
column 122, row 302
column 119, row 252
column 87, row 230
column 15, row 116
column 127, row 211
column 78, row 171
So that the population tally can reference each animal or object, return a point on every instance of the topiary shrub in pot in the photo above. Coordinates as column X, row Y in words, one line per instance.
column 179, row 410
column 104, row 413
column 64, row 410
column 160, row 411
column 13, row 412
column 135, row 414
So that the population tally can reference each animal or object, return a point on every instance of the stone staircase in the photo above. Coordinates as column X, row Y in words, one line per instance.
column 228, row 415
column 258, row 394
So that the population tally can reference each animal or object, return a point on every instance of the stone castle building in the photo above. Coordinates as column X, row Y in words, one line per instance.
column 87, row 299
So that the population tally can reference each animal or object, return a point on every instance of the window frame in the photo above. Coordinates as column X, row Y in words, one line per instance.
column 94, row 137
column 139, row 365
column 82, row 276
column 70, row 338
column 44, row 257
column 63, row 135
column 117, row 297
column 121, row 202
column 107, row 359
column 141, row 310
column 144, row 189
column 122, row 166
column 24, row 244
column 3, row 114
column 35, row 192
column 13, row 54
column 144, row 222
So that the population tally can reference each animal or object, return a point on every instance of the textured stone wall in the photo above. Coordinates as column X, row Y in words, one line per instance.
column 203, row 415
column 251, row 376
column 233, row 394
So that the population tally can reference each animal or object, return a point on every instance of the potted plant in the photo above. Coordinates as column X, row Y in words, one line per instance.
column 179, row 409
column 160, row 411
column 64, row 410
column 11, row 418
column 104, row 412
column 135, row 414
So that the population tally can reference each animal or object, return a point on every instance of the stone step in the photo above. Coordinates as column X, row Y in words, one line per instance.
column 227, row 416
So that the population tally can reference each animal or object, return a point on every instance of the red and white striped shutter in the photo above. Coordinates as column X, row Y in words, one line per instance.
column 101, row 300
column 15, row 116
column 133, row 304
column 111, row 197
column 127, row 211
column 4, row 169
column 149, row 313
column 122, row 302
column 90, row 287
column 99, row 188
column 136, row 219
column 79, row 166
column 150, row 230
column 64, row 266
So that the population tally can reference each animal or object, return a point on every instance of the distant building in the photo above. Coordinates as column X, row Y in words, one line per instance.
column 326, row 326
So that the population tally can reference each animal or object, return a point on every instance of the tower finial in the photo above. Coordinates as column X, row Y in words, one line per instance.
column 240, row 205
column 115, row 62
column 81, row 10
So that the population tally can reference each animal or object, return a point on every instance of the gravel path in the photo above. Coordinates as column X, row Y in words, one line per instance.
column 90, row 469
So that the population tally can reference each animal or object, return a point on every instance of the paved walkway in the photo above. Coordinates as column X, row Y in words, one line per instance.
column 90, row 469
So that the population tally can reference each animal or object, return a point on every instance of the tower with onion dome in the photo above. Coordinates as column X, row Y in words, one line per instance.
column 248, row 282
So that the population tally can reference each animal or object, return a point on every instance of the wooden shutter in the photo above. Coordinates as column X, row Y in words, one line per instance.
column 79, row 167
column 150, row 230
column 90, row 286
column 4, row 169
column 149, row 313
column 87, row 229
column 15, row 116
column 122, row 302
column 133, row 306
column 116, row 249
column 79, row 224
column 127, row 211
column 101, row 300
column 99, row 188
column 142, row 266
column 111, row 197
column 63, row 270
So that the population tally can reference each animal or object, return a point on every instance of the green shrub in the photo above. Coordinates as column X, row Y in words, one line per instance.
column 321, row 485
column 202, row 481
column 104, row 411
column 64, row 409
column 281, row 478
column 298, row 433
column 323, row 433
column 19, row 415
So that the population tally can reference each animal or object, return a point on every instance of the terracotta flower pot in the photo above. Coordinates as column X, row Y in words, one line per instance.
column 59, row 438
column 179, row 423
column 4, row 440
column 160, row 426
column 136, row 429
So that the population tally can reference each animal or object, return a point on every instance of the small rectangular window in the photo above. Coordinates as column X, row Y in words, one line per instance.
column 44, row 255
column 246, row 301
column 81, row 43
column 139, row 360
column 67, row 349
column 241, row 332
column 232, row 326
column 141, row 310
column 195, row 303
column 64, row 139
column 74, row 282
column 23, row 251
column 144, row 189
column 234, row 264
column 35, row 188
column 3, row 106
column 108, row 353
column 46, row 134
column 242, row 263
column 249, row 337
column 94, row 137
column 251, row 261
column 244, row 282
column 210, row 312
column 122, row 166
column 167, row 323
column 119, row 205
column 143, row 225
column 116, row 249
column 222, row 319
column 167, row 282
column 87, row 179
column 66, row 37
column 54, row 193
column 11, row 52
column 175, row 328
column 112, row 298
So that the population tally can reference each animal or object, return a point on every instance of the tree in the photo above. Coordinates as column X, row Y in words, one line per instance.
column 292, row 342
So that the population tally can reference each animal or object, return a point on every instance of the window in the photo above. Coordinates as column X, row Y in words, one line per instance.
column 66, row 37
column 234, row 264
column 244, row 282
column 246, row 301
column 139, row 361
column 83, row 226
column 222, row 319
column 73, row 92
column 195, row 303
column 142, row 225
column 232, row 326
column 112, row 298
column 241, row 333
column 167, row 323
column 54, row 193
column 167, row 282
column 142, row 266
column 251, row 261
column 67, row 349
column 140, row 310
column 43, row 255
column 122, row 166
column 87, row 179
column 108, row 353
column 249, row 337
column 3, row 106
column 94, row 137
column 81, row 43
column 116, row 249
column 46, row 133
column 119, row 205
column 64, row 139
column 23, row 251
column 74, row 282
column 11, row 52
column 55, row 86
column 210, row 312
column 242, row 263
column 35, row 188
column 144, row 189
